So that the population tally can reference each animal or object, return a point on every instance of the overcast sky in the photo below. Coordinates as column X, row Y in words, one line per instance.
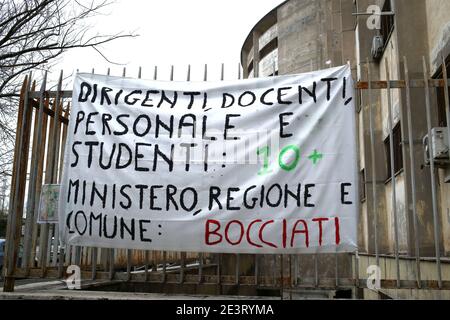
column 177, row 32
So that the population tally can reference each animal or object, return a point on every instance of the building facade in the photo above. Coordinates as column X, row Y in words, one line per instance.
column 305, row 35
column 300, row 36
column 417, row 29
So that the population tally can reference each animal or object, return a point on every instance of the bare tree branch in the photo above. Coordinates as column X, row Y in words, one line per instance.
column 33, row 34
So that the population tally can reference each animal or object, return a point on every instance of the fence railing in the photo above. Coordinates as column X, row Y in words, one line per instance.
column 33, row 249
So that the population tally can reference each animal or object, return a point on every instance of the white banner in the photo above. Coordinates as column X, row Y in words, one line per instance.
column 250, row 166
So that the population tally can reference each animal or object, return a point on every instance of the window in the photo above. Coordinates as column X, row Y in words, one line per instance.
column 442, row 113
column 362, row 185
column 269, row 63
column 398, row 155
column 387, row 22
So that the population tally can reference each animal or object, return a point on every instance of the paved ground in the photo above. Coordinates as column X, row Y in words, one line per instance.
column 20, row 282
column 100, row 295
column 42, row 289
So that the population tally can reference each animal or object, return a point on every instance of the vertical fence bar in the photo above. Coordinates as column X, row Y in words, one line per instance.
column 164, row 262
column 238, row 255
column 20, row 164
column 77, row 255
column 129, row 252
column 315, row 257
column 111, row 255
column 155, row 254
column 256, row 256
column 94, row 250
column 85, row 251
column 356, row 271
column 372, row 155
column 335, row 254
column 281, row 276
column 446, row 96
column 336, row 270
column 316, row 271
column 31, row 200
column 146, row 252
column 44, row 230
column 413, row 174
column 256, row 269
column 393, row 179
column 39, row 177
column 49, row 246
column 129, row 256
column 147, row 262
column 446, row 99
column 73, row 255
column 63, row 140
column 432, row 173
column 44, row 241
column 111, row 263
column 290, row 276
column 63, row 255
column 358, row 109
column 219, row 270
column 41, row 152
column 274, row 269
column 54, row 173
column 67, row 259
column 164, row 278
column 183, row 254
column 200, row 255
column 57, row 249
column 94, row 263
column 281, row 255
column 237, row 273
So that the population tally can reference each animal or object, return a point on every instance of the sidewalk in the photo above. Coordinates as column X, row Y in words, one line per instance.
column 57, row 290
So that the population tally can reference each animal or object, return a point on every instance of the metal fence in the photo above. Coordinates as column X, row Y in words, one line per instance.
column 33, row 249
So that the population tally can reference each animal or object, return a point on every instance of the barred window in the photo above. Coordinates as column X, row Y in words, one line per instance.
column 398, row 155
column 387, row 22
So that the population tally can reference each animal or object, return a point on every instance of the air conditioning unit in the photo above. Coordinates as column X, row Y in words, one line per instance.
column 377, row 47
column 439, row 142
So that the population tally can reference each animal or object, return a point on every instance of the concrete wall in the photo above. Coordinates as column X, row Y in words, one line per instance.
column 389, row 64
column 438, row 27
column 302, row 37
column 409, row 38
column 407, row 272
column 309, row 33
column 369, row 217
column 312, row 32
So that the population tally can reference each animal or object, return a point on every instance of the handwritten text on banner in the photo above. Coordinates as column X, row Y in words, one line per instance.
column 250, row 166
